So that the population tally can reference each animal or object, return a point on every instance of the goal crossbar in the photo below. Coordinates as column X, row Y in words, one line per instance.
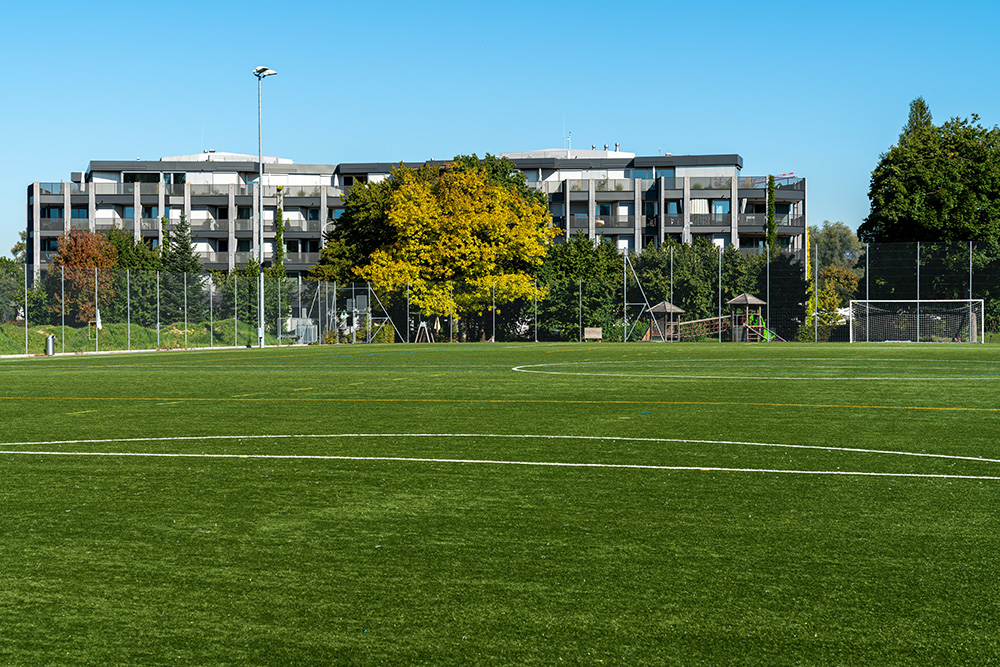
column 912, row 320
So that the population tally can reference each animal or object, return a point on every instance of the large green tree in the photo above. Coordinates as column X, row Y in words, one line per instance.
column 937, row 183
column 837, row 244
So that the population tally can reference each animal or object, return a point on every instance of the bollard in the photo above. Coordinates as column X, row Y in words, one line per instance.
column 50, row 346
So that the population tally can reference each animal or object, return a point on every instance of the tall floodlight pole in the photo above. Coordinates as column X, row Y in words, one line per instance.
column 260, row 73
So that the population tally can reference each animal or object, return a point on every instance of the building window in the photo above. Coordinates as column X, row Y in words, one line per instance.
column 665, row 172
column 244, row 213
column 674, row 207
column 52, row 211
column 242, row 245
column 79, row 213
column 50, row 244
column 222, row 245
column 150, row 211
column 129, row 212
column 176, row 179
column 642, row 173
column 720, row 206
column 222, row 214
column 292, row 245
column 335, row 213
column 310, row 245
column 141, row 178
column 312, row 214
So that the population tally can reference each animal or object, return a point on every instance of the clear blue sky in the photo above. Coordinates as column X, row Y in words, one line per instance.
column 818, row 89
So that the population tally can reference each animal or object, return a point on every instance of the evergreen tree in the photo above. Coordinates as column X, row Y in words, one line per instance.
column 182, row 283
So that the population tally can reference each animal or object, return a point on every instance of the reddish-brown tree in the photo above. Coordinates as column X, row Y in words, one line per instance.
column 85, row 261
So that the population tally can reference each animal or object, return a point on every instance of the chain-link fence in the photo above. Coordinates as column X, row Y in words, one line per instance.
column 679, row 293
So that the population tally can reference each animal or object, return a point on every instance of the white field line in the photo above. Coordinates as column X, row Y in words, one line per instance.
column 543, row 369
column 614, row 438
column 552, row 464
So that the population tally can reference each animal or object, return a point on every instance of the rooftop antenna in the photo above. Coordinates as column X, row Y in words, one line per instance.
column 569, row 138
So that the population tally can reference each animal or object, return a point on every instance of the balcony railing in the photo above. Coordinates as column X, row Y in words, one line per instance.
column 149, row 224
column 760, row 219
column 209, row 225
column 50, row 224
column 711, row 182
column 670, row 183
column 212, row 257
column 79, row 223
column 750, row 219
column 548, row 187
column 673, row 220
column 174, row 189
column 579, row 221
column 760, row 183
column 301, row 190
column 615, row 221
column 710, row 218
column 50, row 188
column 614, row 185
column 579, row 185
column 244, row 225
column 303, row 226
column 305, row 258
column 209, row 190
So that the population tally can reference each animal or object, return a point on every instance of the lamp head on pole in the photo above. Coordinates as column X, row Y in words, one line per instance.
column 261, row 71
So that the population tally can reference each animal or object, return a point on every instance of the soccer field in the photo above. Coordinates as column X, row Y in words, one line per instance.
column 503, row 504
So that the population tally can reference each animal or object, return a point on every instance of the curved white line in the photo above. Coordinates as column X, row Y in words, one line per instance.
column 857, row 450
column 555, row 464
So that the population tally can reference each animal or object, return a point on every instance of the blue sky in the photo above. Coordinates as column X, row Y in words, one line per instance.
column 818, row 89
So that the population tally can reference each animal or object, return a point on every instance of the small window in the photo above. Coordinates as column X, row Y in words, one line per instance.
column 129, row 212
column 347, row 181
column 312, row 214
column 150, row 212
column 642, row 173
column 52, row 211
column 50, row 244
column 292, row 245
column 222, row 245
column 244, row 213
column 223, row 214
column 79, row 213
column 242, row 245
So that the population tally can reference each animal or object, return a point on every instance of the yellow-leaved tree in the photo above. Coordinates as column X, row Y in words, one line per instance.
column 452, row 236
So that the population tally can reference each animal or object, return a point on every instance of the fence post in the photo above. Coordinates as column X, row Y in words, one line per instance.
column 62, row 306
column 624, row 296
column 720, row 293
column 918, row 291
column 27, row 268
column 97, row 317
column 185, row 310
column 816, row 295
column 493, row 333
column 211, row 313
column 536, row 310
column 157, row 310
column 236, row 310
column 579, row 290
column 128, row 309
column 407, row 311
column 673, row 332
column 767, row 249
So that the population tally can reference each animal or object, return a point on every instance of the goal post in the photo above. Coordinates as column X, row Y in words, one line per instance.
column 925, row 320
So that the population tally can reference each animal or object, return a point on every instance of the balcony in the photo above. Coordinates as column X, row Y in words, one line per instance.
column 50, row 188
column 710, row 219
column 670, row 183
column 205, row 190
column 673, row 220
column 149, row 224
column 302, row 258
column 615, row 221
column 79, row 223
column 579, row 221
column 760, row 219
column 296, row 191
column 614, row 185
column 760, row 183
column 548, row 187
column 211, row 257
column 244, row 225
column 50, row 224
column 210, row 225
column 314, row 226
column 711, row 182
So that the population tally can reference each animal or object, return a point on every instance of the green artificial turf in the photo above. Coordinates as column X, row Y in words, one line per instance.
column 688, row 531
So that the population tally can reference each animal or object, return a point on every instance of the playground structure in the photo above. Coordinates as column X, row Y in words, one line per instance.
column 745, row 323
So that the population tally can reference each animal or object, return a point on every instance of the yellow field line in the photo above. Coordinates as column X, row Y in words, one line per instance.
column 495, row 401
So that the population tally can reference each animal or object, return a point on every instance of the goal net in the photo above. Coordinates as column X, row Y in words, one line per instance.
column 959, row 321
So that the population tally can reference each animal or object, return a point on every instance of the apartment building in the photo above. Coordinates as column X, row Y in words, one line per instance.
column 609, row 195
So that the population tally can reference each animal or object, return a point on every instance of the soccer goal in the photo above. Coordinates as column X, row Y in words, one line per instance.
column 958, row 321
